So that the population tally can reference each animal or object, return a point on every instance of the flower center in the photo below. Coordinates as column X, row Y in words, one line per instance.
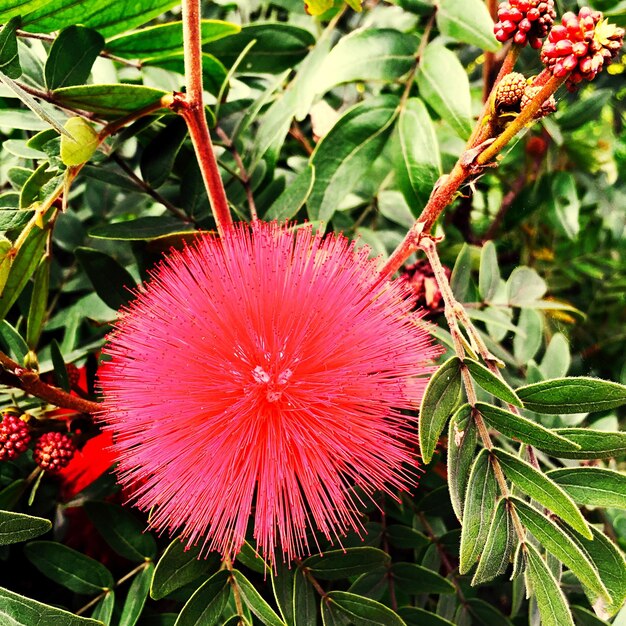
column 273, row 384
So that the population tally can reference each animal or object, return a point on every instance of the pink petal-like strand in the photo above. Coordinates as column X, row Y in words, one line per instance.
column 265, row 374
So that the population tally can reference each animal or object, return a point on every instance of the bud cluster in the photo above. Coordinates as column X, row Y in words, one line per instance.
column 54, row 451
column 514, row 92
column 581, row 45
column 524, row 21
column 14, row 437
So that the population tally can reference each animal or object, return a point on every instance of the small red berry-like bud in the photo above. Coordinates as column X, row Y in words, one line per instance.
column 73, row 374
column 14, row 437
column 53, row 451
column 536, row 147
column 581, row 46
column 524, row 21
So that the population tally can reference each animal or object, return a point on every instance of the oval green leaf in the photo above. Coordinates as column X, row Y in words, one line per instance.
column 462, row 438
column 468, row 21
column 495, row 385
column 558, row 543
column 18, row 610
column 68, row 567
column 444, row 85
column 179, row 566
column 206, row 605
column 16, row 527
column 122, row 530
column 136, row 597
column 82, row 144
column 478, row 509
column 253, row 600
column 415, row 579
column 339, row 564
column 525, row 430
column 573, row 395
column 592, row 486
column 358, row 610
column 441, row 397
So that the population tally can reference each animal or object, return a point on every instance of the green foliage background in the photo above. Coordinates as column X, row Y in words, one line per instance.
column 347, row 119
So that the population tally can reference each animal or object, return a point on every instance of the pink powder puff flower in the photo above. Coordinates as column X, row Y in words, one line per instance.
column 267, row 374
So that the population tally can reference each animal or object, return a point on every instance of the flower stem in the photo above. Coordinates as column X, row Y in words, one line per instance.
column 191, row 107
column 27, row 380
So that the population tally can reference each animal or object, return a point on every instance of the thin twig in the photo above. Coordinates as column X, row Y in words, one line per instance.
column 17, row 376
column 243, row 176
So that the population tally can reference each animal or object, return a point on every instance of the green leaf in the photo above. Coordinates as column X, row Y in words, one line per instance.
column 136, row 597
column 492, row 383
column 283, row 586
column 468, row 22
column 405, row 537
column 68, row 567
column 121, row 530
column 165, row 39
column 609, row 561
column 414, row 616
column 6, row 259
column 290, row 201
column 462, row 438
column 584, row 617
column 214, row 74
column 104, row 608
column 109, row 18
column 24, row 264
column 278, row 47
column 253, row 600
column 525, row 286
column 16, row 527
column 496, row 554
column 13, row 341
column 60, row 371
column 157, row 159
column 461, row 273
column 558, row 543
column 17, row 610
column 179, row 566
column 367, row 54
column 525, row 430
column 557, row 359
column 142, row 229
column 9, row 55
column 550, row 599
column 535, row 484
column 415, row 579
column 38, row 304
column 480, row 502
column 592, row 486
column 573, row 395
column 34, row 189
column 110, row 101
column 346, row 153
column 441, row 397
column 360, row 611
column 339, row 564
column 489, row 274
column 82, row 144
column 420, row 148
column 529, row 336
column 305, row 601
column 566, row 203
column 444, row 85
column 206, row 605
column 483, row 613
column 594, row 444
column 71, row 57
column 110, row 280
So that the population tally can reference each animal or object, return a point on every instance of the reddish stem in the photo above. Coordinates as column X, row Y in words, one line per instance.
column 191, row 106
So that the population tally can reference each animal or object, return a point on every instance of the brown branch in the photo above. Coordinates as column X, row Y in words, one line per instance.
column 191, row 107
column 15, row 375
